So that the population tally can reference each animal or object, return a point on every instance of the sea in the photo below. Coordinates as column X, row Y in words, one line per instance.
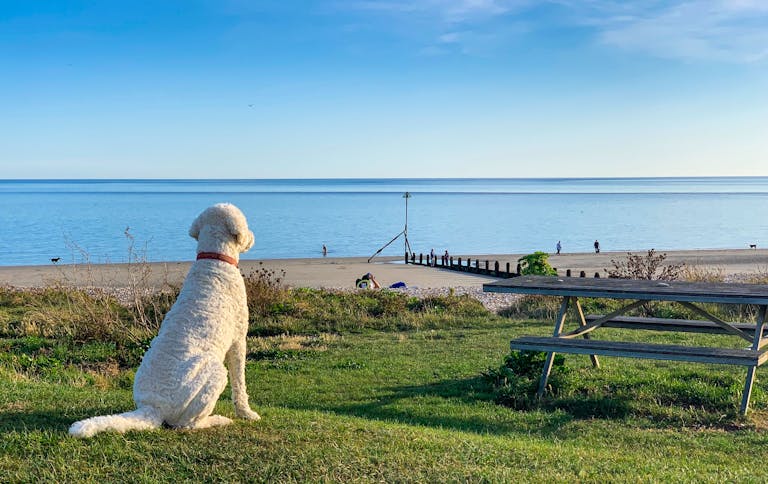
column 114, row 221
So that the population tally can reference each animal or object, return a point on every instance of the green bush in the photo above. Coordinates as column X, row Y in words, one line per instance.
column 536, row 264
column 516, row 382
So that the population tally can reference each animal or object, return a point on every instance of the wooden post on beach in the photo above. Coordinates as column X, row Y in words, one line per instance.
column 486, row 266
column 597, row 275
column 582, row 274
column 568, row 273
column 421, row 259
column 451, row 262
column 519, row 269
column 406, row 257
column 469, row 264
column 508, row 274
column 496, row 268
column 413, row 257
column 477, row 265
column 459, row 264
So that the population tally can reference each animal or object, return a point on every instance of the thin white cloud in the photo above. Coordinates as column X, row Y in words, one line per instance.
column 708, row 30
column 442, row 10
column 731, row 31
column 443, row 27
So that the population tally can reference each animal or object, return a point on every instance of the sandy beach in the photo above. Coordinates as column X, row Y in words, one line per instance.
column 342, row 272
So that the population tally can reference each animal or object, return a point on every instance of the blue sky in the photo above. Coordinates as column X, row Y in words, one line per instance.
column 392, row 88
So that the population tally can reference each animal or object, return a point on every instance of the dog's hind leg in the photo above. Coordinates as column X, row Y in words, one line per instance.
column 208, row 383
column 144, row 418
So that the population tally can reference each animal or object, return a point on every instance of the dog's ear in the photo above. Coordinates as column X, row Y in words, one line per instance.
column 239, row 228
column 194, row 230
column 250, row 239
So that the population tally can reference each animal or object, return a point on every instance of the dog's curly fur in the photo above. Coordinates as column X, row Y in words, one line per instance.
column 182, row 374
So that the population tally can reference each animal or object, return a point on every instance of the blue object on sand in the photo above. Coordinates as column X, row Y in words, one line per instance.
column 398, row 285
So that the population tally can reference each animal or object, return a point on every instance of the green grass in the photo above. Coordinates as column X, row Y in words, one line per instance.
column 403, row 406
column 382, row 404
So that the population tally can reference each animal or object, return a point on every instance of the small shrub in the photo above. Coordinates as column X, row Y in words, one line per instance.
column 516, row 382
column 536, row 264
column 265, row 291
column 650, row 266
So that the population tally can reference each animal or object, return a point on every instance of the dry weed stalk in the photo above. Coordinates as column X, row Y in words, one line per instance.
column 93, row 312
column 760, row 276
column 645, row 267
column 149, row 304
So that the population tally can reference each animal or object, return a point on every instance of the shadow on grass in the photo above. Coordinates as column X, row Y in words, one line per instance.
column 438, row 405
column 434, row 405
column 31, row 421
column 59, row 421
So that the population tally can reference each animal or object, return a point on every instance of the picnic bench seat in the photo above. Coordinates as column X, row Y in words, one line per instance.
column 664, row 324
column 700, row 354
column 690, row 295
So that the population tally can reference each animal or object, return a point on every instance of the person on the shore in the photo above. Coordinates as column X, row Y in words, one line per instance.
column 432, row 257
column 325, row 250
column 597, row 247
column 558, row 247
column 367, row 282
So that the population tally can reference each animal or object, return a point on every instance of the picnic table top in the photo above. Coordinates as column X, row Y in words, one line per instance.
column 652, row 290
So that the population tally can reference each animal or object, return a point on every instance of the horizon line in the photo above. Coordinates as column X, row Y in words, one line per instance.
column 679, row 177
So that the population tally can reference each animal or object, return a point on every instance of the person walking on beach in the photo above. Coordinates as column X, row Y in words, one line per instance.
column 558, row 247
column 432, row 257
column 597, row 247
column 325, row 250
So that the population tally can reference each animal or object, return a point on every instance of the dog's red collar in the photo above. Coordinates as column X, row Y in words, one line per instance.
column 217, row 256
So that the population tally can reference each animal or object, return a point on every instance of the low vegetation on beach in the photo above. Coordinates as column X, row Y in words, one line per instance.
column 371, row 385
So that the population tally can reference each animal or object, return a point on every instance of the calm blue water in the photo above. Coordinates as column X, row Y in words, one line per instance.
column 80, row 220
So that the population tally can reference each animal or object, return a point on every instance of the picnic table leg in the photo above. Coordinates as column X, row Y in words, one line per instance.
column 583, row 322
column 551, row 356
column 751, row 370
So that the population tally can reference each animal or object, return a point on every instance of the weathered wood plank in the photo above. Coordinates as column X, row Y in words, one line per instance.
column 664, row 324
column 551, row 356
column 699, row 354
column 599, row 322
column 728, row 293
column 756, row 345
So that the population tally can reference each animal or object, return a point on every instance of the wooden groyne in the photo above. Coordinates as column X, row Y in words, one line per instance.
column 474, row 266
column 485, row 267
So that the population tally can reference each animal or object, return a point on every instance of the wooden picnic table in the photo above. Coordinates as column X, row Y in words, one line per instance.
column 688, row 294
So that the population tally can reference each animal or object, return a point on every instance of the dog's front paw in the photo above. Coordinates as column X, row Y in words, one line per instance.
column 248, row 414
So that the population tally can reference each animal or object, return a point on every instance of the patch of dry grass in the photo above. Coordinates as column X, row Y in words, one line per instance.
column 760, row 276
column 318, row 342
column 696, row 273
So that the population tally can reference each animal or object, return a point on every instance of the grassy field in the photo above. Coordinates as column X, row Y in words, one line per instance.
column 424, row 399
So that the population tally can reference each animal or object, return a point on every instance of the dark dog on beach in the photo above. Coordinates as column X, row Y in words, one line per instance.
column 753, row 246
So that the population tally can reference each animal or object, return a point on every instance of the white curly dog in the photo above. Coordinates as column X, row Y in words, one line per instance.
column 182, row 374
